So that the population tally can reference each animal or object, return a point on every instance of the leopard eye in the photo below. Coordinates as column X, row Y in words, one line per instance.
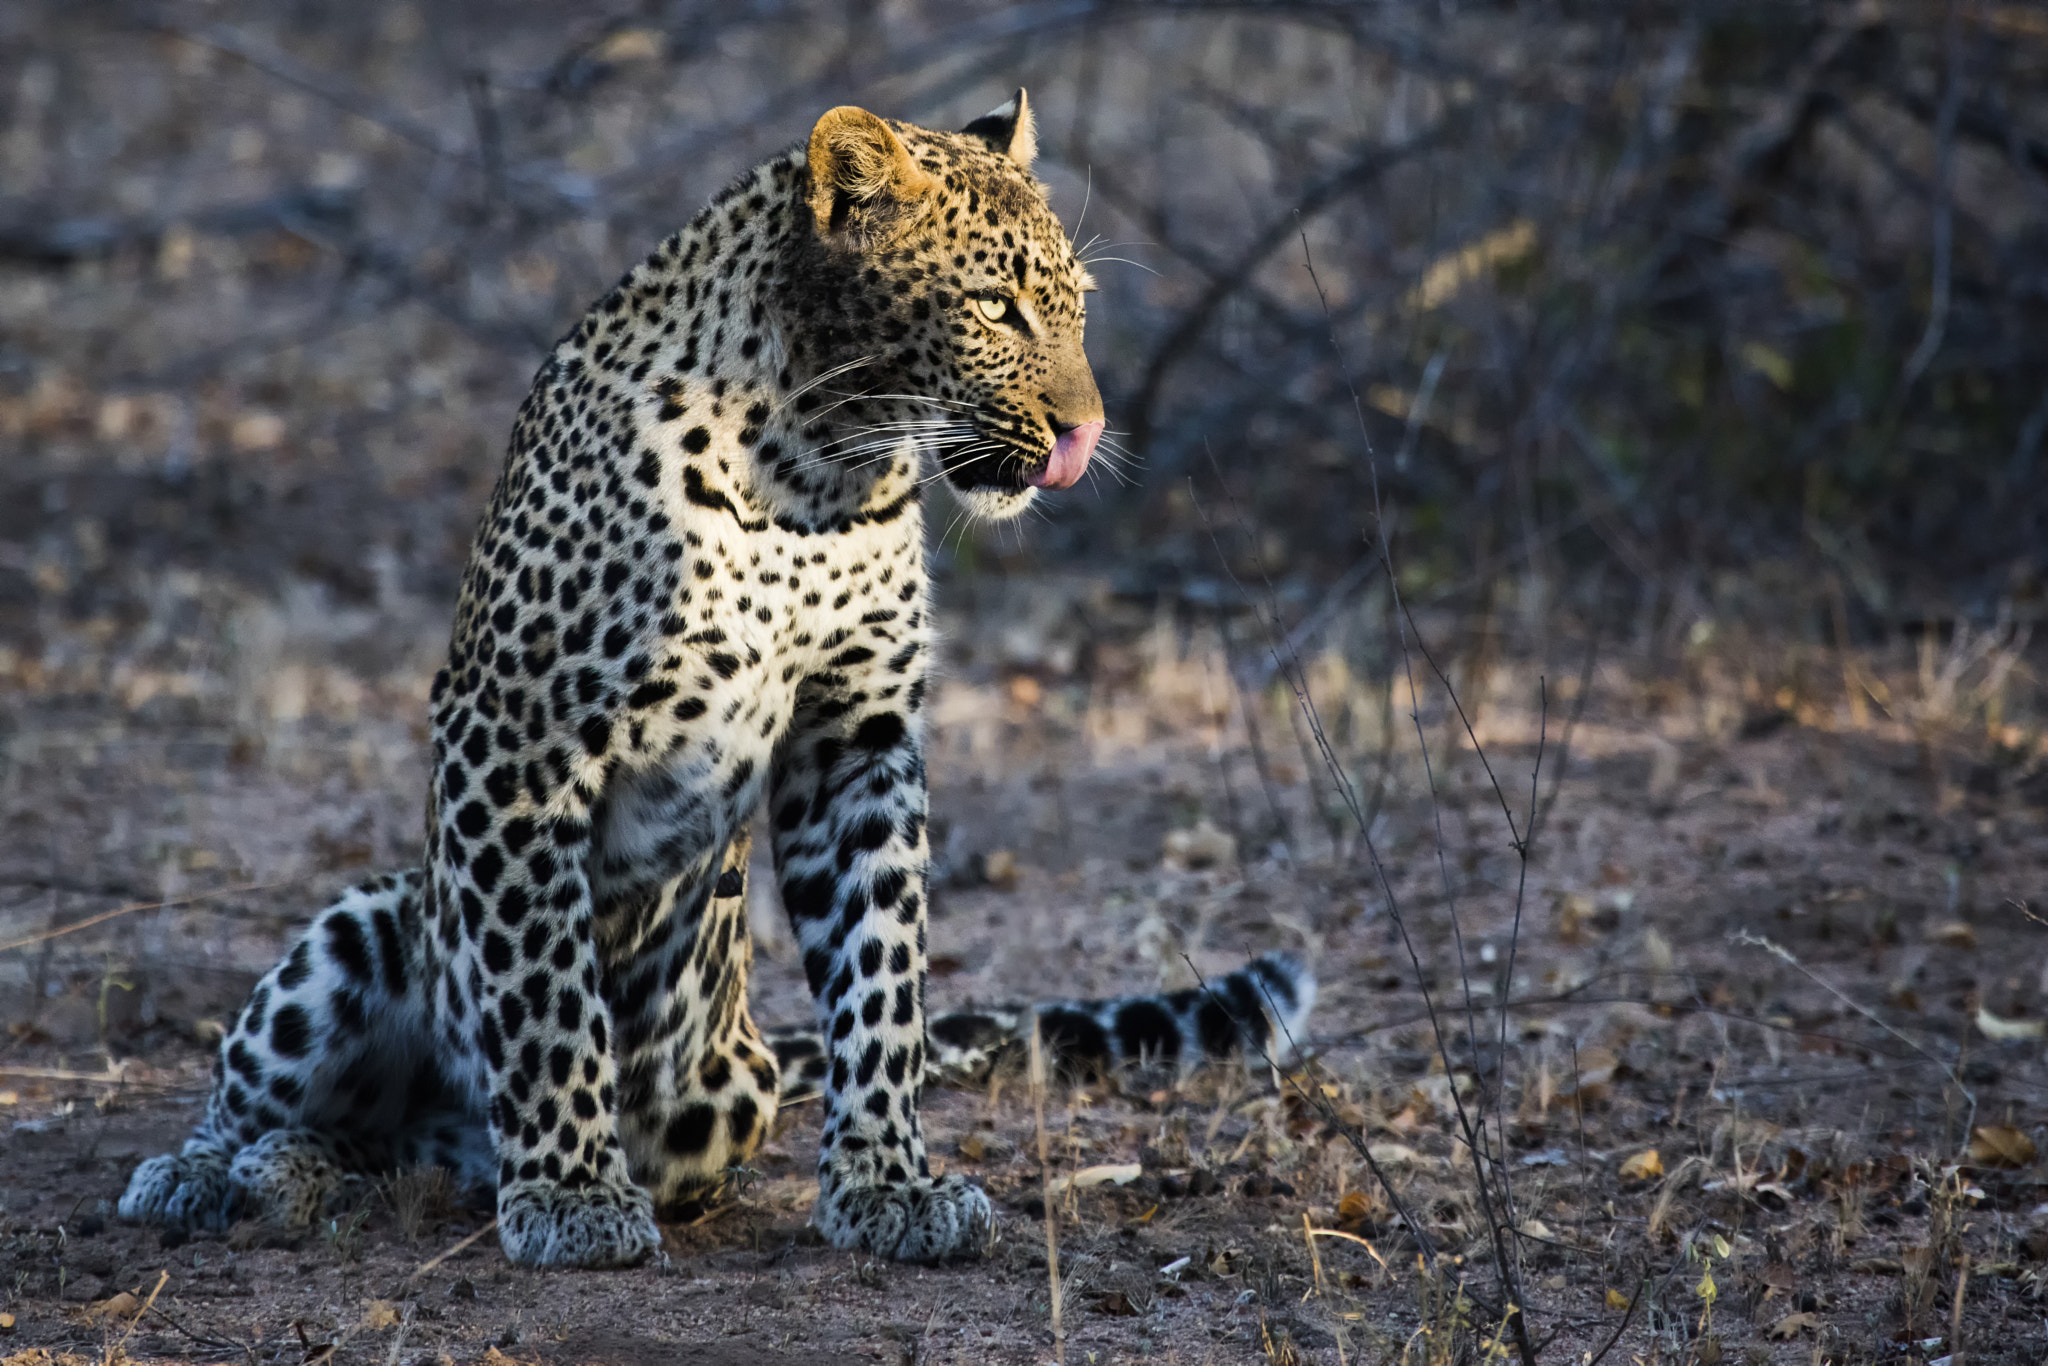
column 995, row 310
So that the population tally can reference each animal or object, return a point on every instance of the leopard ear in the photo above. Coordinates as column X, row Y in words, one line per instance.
column 1010, row 130
column 857, row 162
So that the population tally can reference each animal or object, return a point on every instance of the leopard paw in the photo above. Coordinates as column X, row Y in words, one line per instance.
column 182, row 1190
column 290, row 1177
column 541, row 1223
column 922, row 1220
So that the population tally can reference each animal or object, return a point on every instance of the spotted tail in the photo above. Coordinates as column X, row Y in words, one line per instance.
column 1260, row 1009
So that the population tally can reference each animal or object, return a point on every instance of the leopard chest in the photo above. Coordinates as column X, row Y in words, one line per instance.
column 764, row 619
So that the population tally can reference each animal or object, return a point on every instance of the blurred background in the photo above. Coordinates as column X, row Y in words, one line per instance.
column 1632, row 295
column 1698, row 352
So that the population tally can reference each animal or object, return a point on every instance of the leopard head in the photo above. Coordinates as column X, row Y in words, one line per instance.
column 945, row 303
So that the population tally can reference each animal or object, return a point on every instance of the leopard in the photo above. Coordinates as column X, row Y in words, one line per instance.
column 697, row 604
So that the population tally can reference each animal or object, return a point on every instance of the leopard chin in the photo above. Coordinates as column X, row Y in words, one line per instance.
column 994, row 505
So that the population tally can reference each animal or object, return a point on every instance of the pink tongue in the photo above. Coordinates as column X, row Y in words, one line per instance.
column 1069, row 457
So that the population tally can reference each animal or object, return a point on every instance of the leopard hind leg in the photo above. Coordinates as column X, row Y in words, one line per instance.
column 314, row 1075
column 697, row 1081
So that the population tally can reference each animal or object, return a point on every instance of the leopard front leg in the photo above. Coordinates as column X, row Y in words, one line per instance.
column 511, row 864
column 848, row 812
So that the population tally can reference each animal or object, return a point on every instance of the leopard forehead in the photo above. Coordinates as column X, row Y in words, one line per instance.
column 992, row 220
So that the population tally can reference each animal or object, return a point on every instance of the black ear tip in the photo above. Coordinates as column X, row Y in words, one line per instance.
column 1008, row 129
column 997, row 122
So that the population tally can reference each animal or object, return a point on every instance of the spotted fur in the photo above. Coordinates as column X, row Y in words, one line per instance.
column 699, row 586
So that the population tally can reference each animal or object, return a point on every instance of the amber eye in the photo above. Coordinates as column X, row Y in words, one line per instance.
column 995, row 310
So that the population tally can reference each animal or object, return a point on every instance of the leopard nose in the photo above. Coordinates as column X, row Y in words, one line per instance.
column 1069, row 457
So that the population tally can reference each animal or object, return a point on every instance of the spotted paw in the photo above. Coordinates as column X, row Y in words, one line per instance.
column 543, row 1224
column 289, row 1176
column 918, row 1221
column 182, row 1190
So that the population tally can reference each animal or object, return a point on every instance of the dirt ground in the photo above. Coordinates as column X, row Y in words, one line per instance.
column 1822, row 1150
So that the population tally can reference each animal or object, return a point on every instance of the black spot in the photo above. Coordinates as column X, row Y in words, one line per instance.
column 809, row 897
column 497, row 952
column 689, row 1133
column 883, row 730
column 596, row 734
column 1214, row 1029
column 652, row 693
column 291, row 1031
column 745, row 1114
column 502, row 786
column 473, row 819
column 486, row 867
column 1067, row 1034
column 694, row 441
column 512, row 906
column 731, row 883
column 345, row 941
column 391, row 950
column 297, row 968
column 1144, row 1027
column 872, row 833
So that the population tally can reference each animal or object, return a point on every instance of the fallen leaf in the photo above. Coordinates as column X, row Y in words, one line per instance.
column 1955, row 934
column 2001, row 1145
column 1616, row 1300
column 1109, row 1173
column 121, row 1306
column 380, row 1314
column 1792, row 1325
column 1646, row 1165
column 6, row 1323
column 1355, row 1208
column 1394, row 1154
column 1993, row 1027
